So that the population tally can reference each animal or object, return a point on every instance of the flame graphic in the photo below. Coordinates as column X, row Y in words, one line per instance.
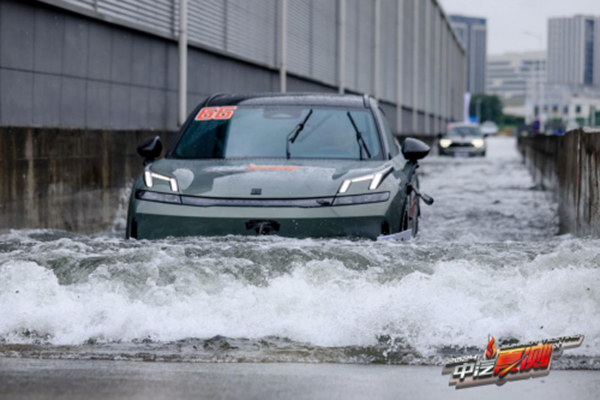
column 491, row 351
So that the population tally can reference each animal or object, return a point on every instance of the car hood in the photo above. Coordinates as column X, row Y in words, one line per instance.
column 273, row 178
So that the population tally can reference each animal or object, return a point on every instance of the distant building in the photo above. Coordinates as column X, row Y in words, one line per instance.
column 574, row 50
column 516, row 79
column 568, row 103
column 473, row 34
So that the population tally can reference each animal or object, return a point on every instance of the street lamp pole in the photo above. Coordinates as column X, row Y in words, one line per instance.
column 183, row 49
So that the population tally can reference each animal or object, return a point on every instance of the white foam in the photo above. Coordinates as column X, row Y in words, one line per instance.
column 321, row 302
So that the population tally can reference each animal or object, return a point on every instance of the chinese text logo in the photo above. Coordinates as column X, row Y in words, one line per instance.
column 509, row 363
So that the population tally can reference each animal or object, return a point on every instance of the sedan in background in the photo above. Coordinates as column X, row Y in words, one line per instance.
column 462, row 140
column 489, row 128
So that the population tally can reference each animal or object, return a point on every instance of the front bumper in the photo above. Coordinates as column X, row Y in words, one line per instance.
column 466, row 151
column 151, row 220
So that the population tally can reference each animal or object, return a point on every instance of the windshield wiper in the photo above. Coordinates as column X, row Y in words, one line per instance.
column 359, row 138
column 293, row 135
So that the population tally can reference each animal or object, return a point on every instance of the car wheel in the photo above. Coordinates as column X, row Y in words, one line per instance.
column 410, row 215
column 417, row 218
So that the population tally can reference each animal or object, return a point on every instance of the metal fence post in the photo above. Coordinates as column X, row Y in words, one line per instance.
column 377, row 63
column 342, row 46
column 399, row 66
column 427, row 95
column 282, row 46
column 183, row 48
column 415, row 54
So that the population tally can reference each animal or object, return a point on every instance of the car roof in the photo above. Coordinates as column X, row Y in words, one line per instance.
column 292, row 99
column 462, row 124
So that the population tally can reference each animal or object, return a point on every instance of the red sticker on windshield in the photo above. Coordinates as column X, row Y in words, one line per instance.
column 219, row 113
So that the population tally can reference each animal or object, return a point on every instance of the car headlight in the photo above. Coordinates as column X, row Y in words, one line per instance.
column 361, row 199
column 149, row 177
column 158, row 197
column 445, row 143
column 477, row 142
column 375, row 180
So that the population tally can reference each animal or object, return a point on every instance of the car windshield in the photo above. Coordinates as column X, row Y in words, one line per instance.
column 267, row 132
column 464, row 131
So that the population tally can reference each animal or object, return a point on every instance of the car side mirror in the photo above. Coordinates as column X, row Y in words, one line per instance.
column 150, row 149
column 440, row 135
column 414, row 150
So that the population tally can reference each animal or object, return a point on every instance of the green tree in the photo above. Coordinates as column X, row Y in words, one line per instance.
column 511, row 120
column 491, row 107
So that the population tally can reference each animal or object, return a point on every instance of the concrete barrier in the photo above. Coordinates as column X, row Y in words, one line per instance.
column 66, row 179
column 568, row 167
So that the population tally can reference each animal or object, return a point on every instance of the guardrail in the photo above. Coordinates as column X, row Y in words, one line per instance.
column 568, row 166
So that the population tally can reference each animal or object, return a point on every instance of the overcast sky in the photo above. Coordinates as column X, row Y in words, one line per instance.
column 508, row 19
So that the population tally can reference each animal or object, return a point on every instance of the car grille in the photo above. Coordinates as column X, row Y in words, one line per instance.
column 216, row 202
column 461, row 145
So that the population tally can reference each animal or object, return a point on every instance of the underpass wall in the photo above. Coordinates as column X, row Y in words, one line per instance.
column 568, row 167
column 69, row 179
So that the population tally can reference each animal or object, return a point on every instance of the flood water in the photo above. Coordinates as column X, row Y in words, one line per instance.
column 488, row 261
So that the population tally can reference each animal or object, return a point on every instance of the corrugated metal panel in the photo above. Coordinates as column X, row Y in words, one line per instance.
column 89, row 4
column 312, row 39
column 352, row 17
column 245, row 28
column 437, row 83
column 207, row 22
column 407, row 57
column 299, row 36
column 389, row 110
column 422, row 26
column 407, row 121
column 433, row 14
column 324, row 40
column 389, row 49
column 420, row 123
column 157, row 15
column 456, row 81
column 249, row 29
column 360, row 49
column 365, row 46
column 252, row 29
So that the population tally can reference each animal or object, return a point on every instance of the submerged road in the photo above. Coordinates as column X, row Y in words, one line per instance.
column 78, row 313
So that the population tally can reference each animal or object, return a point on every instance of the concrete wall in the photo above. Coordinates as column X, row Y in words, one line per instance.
column 66, row 179
column 569, row 167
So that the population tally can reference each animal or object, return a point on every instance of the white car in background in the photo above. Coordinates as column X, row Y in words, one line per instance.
column 462, row 140
column 489, row 128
